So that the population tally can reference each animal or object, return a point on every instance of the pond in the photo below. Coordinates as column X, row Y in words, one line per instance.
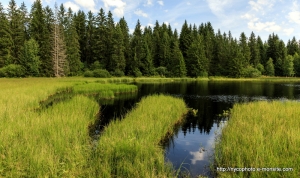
column 191, row 147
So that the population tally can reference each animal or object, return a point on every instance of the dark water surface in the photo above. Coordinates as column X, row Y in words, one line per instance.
column 191, row 148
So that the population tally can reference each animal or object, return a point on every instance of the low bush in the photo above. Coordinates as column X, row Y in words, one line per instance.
column 250, row 72
column 12, row 70
column 88, row 73
column 101, row 73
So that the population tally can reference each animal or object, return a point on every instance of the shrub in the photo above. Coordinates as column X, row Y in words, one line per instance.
column 88, row 73
column 118, row 73
column 96, row 65
column 162, row 71
column 101, row 73
column 12, row 70
column 137, row 73
column 250, row 72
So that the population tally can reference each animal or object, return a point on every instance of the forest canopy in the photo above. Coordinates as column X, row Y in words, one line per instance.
column 55, row 42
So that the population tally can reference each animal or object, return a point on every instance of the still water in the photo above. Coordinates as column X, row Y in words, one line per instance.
column 191, row 147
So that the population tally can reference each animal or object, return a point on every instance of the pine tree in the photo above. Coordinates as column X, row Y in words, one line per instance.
column 72, row 45
column 6, row 43
column 197, row 63
column 29, row 58
column 60, row 63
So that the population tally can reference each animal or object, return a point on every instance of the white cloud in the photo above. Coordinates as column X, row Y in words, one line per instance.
column 217, row 6
column 261, row 5
column 148, row 3
column 288, row 31
column 118, row 5
column 160, row 3
column 267, row 26
column 294, row 17
column 88, row 4
column 139, row 12
column 72, row 5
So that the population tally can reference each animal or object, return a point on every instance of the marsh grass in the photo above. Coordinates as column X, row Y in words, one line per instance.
column 261, row 135
column 130, row 147
column 106, row 91
column 54, row 143
column 263, row 79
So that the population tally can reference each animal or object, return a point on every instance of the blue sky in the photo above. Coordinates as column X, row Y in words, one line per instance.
column 263, row 17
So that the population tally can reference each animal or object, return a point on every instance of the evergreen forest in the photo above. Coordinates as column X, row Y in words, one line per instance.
column 57, row 42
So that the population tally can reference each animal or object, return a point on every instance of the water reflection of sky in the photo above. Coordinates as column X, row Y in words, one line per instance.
column 190, row 152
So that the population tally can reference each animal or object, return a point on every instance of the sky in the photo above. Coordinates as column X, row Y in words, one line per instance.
column 263, row 17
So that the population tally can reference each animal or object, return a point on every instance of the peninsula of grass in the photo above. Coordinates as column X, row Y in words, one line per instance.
column 131, row 147
column 54, row 143
column 106, row 91
column 262, row 135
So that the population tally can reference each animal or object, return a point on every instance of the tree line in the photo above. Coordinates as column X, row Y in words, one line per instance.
column 60, row 42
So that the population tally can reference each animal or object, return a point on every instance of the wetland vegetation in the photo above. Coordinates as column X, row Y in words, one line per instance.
column 261, row 135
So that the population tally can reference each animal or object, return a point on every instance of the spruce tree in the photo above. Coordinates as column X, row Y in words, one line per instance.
column 116, row 64
column 72, row 45
column 40, row 30
column 293, row 47
column 80, row 24
column 138, row 51
column 6, row 42
column 126, row 41
column 92, row 53
column 156, row 39
column 185, row 39
column 29, row 58
column 245, row 50
column 262, row 51
column 177, row 65
column 16, row 28
column 197, row 63
column 101, row 38
column 254, row 51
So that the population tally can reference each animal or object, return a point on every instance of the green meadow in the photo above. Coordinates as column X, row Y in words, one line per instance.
column 261, row 135
column 54, row 141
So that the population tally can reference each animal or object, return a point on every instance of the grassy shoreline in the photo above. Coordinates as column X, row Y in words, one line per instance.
column 260, row 135
column 130, row 147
